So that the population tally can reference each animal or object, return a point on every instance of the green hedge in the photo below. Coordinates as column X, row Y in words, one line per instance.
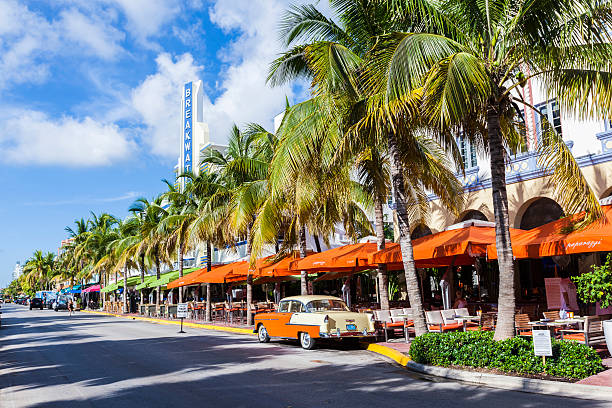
column 478, row 349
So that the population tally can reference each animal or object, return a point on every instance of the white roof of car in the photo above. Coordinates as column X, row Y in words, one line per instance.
column 310, row 298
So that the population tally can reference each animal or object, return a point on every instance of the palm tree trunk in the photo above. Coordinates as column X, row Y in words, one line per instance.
column 399, row 196
column 249, row 281
column 103, row 285
column 208, row 269
column 383, row 281
column 317, row 243
column 157, row 276
column 506, row 300
column 304, row 274
column 125, row 294
column 180, row 289
column 142, row 275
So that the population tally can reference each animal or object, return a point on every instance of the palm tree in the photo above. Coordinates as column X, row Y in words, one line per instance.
column 39, row 269
column 333, row 57
column 469, row 62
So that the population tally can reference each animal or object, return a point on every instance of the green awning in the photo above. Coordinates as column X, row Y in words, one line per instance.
column 145, row 283
column 169, row 277
column 131, row 281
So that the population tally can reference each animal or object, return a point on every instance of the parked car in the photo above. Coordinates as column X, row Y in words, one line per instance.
column 60, row 303
column 36, row 303
column 312, row 317
column 48, row 302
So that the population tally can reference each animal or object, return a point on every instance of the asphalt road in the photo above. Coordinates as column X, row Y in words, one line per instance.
column 48, row 359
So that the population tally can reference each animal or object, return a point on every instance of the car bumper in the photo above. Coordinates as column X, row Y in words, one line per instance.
column 340, row 335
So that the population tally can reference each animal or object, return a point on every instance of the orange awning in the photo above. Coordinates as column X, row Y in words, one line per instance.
column 452, row 247
column 227, row 272
column 264, row 268
column 352, row 257
column 194, row 278
column 550, row 240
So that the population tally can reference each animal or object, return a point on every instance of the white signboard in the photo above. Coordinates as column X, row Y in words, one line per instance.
column 542, row 345
column 181, row 311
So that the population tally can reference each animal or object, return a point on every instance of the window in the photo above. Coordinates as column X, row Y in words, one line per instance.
column 325, row 305
column 296, row 306
column 468, row 153
column 552, row 112
column 283, row 307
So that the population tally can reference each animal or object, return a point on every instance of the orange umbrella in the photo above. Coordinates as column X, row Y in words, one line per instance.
column 345, row 258
column 227, row 272
column 551, row 240
column 192, row 279
column 264, row 268
column 452, row 247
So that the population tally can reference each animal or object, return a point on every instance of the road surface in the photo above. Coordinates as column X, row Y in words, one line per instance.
column 49, row 359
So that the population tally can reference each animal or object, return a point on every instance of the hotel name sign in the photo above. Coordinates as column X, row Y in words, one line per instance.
column 187, row 128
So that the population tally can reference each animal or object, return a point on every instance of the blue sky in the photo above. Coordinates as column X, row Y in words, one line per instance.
column 90, row 99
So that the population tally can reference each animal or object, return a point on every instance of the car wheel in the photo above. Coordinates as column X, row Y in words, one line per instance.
column 307, row 342
column 262, row 334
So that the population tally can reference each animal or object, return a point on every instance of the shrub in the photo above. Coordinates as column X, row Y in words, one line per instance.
column 596, row 286
column 478, row 349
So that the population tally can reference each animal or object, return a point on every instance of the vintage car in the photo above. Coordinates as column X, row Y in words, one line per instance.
column 311, row 317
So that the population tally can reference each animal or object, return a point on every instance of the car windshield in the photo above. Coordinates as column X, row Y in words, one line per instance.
column 325, row 305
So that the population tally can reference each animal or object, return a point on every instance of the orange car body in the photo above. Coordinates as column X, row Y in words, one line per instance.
column 297, row 315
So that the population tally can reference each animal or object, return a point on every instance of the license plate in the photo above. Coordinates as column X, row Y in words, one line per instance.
column 351, row 327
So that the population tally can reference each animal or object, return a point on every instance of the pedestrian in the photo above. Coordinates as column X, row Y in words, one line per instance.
column 229, row 295
column 346, row 292
column 70, row 307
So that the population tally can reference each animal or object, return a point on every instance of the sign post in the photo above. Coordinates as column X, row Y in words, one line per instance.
column 542, row 345
column 181, row 313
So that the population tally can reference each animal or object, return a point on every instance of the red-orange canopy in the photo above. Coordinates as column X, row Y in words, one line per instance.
column 227, row 273
column 264, row 268
column 452, row 247
column 550, row 239
column 345, row 258
column 193, row 278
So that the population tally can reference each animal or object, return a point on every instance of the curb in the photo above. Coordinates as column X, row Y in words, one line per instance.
column 234, row 330
column 504, row 382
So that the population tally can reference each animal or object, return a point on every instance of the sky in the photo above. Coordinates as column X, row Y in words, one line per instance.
column 90, row 99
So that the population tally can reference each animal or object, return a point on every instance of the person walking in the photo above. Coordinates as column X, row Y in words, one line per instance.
column 277, row 293
column 70, row 307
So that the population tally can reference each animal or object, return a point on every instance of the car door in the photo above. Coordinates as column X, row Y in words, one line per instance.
column 295, row 306
column 276, row 323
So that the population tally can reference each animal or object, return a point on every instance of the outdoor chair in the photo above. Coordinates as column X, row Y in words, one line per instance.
column 592, row 332
column 388, row 322
column 435, row 321
column 553, row 315
column 463, row 311
column 487, row 323
column 521, row 325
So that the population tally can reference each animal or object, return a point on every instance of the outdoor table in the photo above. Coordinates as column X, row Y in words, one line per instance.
column 551, row 325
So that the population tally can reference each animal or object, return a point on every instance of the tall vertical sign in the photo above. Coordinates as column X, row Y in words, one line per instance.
column 187, row 128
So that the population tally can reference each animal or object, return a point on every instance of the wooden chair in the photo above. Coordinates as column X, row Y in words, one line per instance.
column 592, row 332
column 521, row 324
column 552, row 315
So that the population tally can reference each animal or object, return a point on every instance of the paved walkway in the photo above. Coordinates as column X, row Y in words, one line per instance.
column 49, row 360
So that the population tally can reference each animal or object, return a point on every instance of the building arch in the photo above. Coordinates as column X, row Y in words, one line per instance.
column 419, row 231
column 472, row 215
column 536, row 212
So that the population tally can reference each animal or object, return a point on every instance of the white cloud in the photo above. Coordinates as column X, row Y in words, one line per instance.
column 158, row 101
column 31, row 137
column 130, row 195
column 245, row 96
column 91, row 33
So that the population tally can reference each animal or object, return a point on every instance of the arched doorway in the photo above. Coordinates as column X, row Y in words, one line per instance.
column 474, row 215
column 420, row 231
column 539, row 212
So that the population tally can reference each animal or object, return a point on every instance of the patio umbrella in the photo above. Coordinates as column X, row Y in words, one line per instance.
column 227, row 272
column 341, row 259
column 453, row 247
column 557, row 238
column 194, row 278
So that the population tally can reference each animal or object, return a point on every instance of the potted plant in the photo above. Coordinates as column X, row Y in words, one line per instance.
column 596, row 286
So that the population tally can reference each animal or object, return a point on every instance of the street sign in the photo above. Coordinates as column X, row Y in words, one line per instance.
column 542, row 345
column 181, row 310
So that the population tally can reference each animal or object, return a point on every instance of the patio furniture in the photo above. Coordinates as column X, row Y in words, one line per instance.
column 591, row 333
column 487, row 322
column 389, row 322
column 552, row 315
column 521, row 325
column 435, row 321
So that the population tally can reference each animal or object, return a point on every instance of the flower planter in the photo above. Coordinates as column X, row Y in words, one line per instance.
column 607, row 327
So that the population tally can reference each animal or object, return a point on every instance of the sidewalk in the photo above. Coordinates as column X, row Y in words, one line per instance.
column 215, row 325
